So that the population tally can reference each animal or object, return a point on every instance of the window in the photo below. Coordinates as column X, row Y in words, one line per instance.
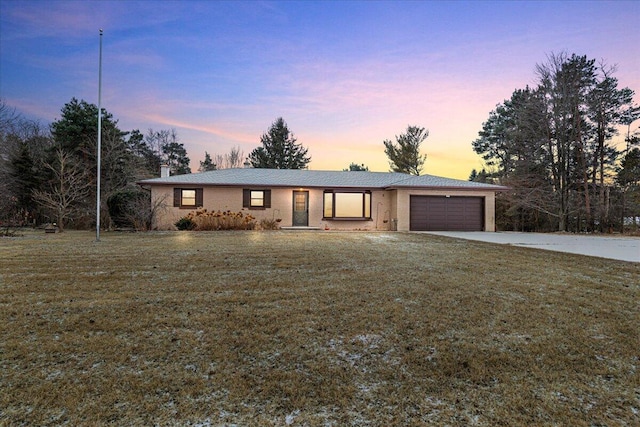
column 256, row 199
column 347, row 205
column 187, row 197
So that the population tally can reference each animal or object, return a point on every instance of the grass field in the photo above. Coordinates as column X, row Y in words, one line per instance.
column 313, row 328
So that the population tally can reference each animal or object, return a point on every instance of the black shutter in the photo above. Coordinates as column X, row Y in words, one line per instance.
column 177, row 194
column 199, row 197
column 246, row 198
column 267, row 198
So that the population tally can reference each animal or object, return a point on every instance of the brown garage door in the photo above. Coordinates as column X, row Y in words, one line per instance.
column 439, row 213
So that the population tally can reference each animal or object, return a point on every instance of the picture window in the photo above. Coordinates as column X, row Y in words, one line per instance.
column 347, row 205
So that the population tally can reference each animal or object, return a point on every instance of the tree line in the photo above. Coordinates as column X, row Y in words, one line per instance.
column 280, row 150
column 553, row 146
column 49, row 173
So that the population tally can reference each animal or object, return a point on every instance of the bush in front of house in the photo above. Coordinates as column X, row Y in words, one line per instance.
column 203, row 220
column 270, row 224
column 185, row 223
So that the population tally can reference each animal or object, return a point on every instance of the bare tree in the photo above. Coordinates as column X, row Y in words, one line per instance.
column 10, row 124
column 68, row 187
column 553, row 144
column 7, row 206
column 118, row 165
column 233, row 159
column 23, row 144
column 167, row 148
column 144, row 212
column 8, row 118
column 8, row 144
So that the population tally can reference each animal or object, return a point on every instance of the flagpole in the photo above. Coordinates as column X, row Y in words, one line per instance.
column 99, row 142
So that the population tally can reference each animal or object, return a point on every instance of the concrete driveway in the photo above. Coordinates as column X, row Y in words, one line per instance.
column 619, row 247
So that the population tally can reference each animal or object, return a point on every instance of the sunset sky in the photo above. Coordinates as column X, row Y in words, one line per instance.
column 344, row 75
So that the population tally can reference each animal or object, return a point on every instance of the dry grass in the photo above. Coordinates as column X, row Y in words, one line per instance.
column 316, row 328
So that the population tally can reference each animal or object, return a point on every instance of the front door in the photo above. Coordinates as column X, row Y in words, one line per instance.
column 300, row 208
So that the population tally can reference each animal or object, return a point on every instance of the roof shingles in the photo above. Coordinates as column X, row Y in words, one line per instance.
column 309, row 178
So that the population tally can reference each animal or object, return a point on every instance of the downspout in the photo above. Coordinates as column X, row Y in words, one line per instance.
column 377, row 213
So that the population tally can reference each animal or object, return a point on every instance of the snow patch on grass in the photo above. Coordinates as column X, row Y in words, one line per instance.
column 289, row 419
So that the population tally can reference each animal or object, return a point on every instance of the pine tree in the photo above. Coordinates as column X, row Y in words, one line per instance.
column 356, row 167
column 279, row 149
column 404, row 156
column 207, row 164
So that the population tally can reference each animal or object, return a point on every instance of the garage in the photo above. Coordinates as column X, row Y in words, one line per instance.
column 440, row 213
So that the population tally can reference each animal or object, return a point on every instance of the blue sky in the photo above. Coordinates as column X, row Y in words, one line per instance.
column 344, row 75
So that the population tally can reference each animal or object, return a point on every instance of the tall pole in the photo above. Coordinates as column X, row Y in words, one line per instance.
column 99, row 141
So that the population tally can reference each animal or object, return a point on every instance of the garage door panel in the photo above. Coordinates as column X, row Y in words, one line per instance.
column 456, row 202
column 438, row 213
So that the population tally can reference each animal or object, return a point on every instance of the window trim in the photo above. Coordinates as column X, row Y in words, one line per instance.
column 247, row 198
column 178, row 198
column 366, row 196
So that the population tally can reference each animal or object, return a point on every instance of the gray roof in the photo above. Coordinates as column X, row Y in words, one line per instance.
column 311, row 178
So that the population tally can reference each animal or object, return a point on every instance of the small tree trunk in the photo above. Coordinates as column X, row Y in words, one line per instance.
column 60, row 223
column 562, row 222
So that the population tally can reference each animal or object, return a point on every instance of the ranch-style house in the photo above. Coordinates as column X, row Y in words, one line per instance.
column 349, row 200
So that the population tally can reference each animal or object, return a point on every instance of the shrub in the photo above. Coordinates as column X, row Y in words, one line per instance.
column 270, row 224
column 128, row 206
column 203, row 220
column 185, row 223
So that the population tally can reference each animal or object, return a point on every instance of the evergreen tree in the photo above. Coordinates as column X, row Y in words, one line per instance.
column 164, row 147
column 207, row 164
column 23, row 144
column 552, row 144
column 404, row 156
column 123, row 155
column 25, row 178
column 356, row 167
column 176, row 157
column 629, row 172
column 482, row 176
column 628, row 179
column 76, row 131
column 279, row 149
column 148, row 161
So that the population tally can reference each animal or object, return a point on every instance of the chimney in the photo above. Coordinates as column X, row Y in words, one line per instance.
column 164, row 171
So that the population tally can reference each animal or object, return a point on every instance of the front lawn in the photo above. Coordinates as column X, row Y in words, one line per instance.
column 313, row 328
